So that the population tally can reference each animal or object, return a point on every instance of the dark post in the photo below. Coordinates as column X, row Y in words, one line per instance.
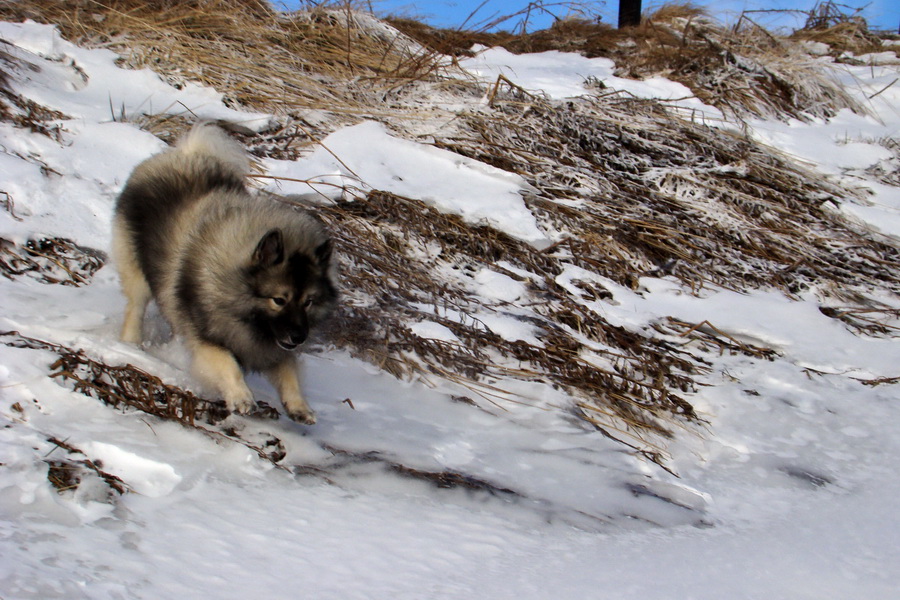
column 629, row 13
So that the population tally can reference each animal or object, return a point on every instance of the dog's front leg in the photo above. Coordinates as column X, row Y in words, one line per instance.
column 218, row 369
column 286, row 379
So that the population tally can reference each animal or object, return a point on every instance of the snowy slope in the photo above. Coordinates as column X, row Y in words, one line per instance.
column 789, row 492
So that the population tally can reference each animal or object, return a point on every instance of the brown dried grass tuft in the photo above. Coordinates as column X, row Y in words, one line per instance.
column 743, row 70
column 644, row 192
column 672, row 12
column 572, row 34
column 273, row 61
column 846, row 36
column 49, row 260
column 68, row 473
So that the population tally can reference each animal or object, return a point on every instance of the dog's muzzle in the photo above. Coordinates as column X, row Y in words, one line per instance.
column 286, row 345
column 290, row 342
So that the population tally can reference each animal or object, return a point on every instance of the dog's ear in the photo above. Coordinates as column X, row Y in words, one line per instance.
column 270, row 249
column 323, row 252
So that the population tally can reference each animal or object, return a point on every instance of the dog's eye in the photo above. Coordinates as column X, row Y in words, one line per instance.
column 308, row 302
column 278, row 301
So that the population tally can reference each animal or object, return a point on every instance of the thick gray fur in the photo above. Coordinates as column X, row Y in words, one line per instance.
column 240, row 277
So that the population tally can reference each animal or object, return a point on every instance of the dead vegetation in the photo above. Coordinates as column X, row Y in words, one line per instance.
column 629, row 188
column 127, row 387
column 711, row 339
column 640, row 193
column 347, row 62
column 628, row 381
column 743, row 70
column 118, row 386
column 830, row 24
column 644, row 192
column 875, row 321
column 130, row 388
column 49, row 260
column 590, row 38
column 275, row 62
column 20, row 111
column 888, row 171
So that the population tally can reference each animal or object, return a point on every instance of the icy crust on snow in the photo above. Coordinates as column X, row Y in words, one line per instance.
column 789, row 492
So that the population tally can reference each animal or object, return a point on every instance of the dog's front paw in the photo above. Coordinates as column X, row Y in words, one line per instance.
column 242, row 403
column 304, row 416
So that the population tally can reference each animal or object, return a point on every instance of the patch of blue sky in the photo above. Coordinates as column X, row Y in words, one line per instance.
column 478, row 14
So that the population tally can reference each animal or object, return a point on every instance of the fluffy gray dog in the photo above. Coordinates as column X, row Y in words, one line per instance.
column 240, row 277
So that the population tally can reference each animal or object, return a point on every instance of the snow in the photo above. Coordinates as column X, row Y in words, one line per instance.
column 87, row 84
column 768, row 319
column 789, row 492
column 847, row 144
column 455, row 184
column 434, row 331
column 149, row 477
column 563, row 75
column 498, row 286
column 843, row 142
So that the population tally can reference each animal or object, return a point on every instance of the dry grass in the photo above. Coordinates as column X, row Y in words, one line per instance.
column 888, row 170
column 830, row 23
column 743, row 70
column 635, row 191
column 67, row 473
column 129, row 388
column 566, row 35
column 709, row 338
column 591, row 38
column 20, row 111
column 275, row 62
column 650, row 193
column 630, row 385
column 49, row 260
column 847, row 36
column 346, row 62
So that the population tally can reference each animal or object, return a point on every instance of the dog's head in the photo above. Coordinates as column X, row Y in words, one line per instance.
column 292, row 288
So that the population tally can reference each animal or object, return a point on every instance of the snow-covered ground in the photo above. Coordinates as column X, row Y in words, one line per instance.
column 562, row 75
column 790, row 491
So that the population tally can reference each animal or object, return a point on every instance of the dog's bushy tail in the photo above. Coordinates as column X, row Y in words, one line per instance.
column 203, row 161
column 209, row 141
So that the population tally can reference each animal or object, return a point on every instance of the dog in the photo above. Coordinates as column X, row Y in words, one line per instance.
column 240, row 277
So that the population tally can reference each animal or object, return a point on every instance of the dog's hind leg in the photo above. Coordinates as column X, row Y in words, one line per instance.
column 286, row 379
column 138, row 296
column 134, row 286
column 218, row 369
